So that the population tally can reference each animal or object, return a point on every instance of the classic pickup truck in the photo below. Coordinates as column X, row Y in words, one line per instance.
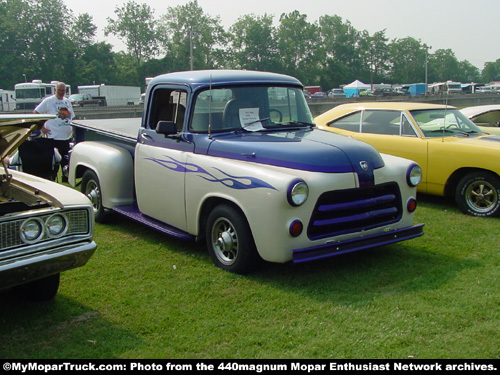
column 233, row 157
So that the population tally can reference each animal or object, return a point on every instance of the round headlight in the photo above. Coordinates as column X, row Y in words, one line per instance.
column 31, row 230
column 298, row 193
column 414, row 175
column 56, row 225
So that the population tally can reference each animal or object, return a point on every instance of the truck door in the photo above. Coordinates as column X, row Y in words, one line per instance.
column 160, row 160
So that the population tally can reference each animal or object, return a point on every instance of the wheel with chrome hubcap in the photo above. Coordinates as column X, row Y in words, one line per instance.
column 92, row 189
column 229, row 240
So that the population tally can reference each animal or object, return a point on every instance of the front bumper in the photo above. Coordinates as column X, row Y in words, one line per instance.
column 35, row 266
column 356, row 244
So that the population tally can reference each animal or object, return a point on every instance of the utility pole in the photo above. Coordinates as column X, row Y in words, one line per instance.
column 426, row 63
column 191, row 49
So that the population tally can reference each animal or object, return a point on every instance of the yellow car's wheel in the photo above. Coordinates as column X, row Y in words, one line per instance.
column 478, row 194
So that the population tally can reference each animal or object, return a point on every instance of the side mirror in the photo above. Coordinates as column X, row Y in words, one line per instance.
column 166, row 128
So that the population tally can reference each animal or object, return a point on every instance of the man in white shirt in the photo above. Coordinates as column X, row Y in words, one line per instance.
column 58, row 129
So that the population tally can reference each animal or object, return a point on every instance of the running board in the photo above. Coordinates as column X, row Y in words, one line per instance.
column 132, row 211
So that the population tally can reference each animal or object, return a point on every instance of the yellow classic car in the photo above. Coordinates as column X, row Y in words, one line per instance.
column 457, row 158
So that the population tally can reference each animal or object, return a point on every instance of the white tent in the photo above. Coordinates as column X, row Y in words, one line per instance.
column 353, row 88
column 357, row 84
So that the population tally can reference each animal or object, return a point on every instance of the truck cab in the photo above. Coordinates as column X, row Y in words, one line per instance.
column 234, row 158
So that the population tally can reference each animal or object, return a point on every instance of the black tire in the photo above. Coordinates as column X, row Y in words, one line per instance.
column 478, row 194
column 92, row 189
column 39, row 290
column 229, row 240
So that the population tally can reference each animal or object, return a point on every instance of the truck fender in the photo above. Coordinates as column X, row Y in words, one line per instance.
column 113, row 166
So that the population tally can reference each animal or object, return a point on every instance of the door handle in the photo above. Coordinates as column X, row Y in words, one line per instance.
column 146, row 137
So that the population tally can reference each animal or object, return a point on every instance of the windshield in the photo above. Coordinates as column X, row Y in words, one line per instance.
column 444, row 122
column 30, row 93
column 251, row 108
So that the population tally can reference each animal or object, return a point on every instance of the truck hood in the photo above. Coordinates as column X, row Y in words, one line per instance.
column 304, row 149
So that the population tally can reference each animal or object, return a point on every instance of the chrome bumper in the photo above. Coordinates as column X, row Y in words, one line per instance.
column 35, row 266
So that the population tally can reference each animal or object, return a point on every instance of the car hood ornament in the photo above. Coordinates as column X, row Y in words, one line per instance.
column 364, row 165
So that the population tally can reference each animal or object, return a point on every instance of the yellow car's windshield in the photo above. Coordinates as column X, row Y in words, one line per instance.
column 444, row 122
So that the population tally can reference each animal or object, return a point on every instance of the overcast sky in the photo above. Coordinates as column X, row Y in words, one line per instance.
column 470, row 28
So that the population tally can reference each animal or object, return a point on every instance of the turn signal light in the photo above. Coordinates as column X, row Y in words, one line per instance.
column 296, row 228
column 412, row 205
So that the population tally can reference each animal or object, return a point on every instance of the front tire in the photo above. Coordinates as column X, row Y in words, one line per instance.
column 92, row 189
column 39, row 290
column 229, row 240
column 478, row 194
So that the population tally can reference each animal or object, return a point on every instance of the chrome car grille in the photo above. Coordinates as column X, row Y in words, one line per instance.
column 10, row 236
column 355, row 210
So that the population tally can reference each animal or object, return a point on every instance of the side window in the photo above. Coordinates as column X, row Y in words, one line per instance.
column 406, row 129
column 381, row 122
column 350, row 122
column 208, row 108
column 283, row 105
column 168, row 105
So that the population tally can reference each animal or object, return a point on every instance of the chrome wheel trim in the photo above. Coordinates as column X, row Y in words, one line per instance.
column 225, row 241
column 94, row 194
column 481, row 196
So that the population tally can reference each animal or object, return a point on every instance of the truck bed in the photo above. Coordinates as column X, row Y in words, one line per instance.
column 124, row 129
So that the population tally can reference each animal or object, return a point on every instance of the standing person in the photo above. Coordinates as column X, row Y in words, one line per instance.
column 58, row 129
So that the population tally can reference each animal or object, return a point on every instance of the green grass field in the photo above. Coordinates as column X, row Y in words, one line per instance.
column 144, row 295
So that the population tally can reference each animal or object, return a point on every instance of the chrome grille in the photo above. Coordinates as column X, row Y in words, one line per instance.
column 354, row 210
column 78, row 224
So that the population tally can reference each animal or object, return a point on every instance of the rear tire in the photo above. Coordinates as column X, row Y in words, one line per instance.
column 478, row 194
column 92, row 189
column 229, row 240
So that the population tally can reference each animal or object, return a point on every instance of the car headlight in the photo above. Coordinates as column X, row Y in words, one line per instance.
column 414, row 175
column 298, row 191
column 56, row 225
column 31, row 230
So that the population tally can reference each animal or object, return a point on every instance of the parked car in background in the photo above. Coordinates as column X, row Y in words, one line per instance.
column 483, row 90
column 336, row 93
column 80, row 100
column 46, row 228
column 487, row 117
column 319, row 94
column 457, row 158
column 385, row 92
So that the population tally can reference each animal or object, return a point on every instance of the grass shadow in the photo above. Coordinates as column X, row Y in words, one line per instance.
column 355, row 278
column 359, row 278
column 60, row 328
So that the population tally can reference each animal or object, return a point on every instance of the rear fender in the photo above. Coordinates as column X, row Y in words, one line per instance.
column 113, row 165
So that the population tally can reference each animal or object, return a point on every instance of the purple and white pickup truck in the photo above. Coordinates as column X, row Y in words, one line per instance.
column 234, row 158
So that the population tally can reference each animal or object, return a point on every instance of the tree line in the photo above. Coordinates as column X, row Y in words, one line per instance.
column 42, row 39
